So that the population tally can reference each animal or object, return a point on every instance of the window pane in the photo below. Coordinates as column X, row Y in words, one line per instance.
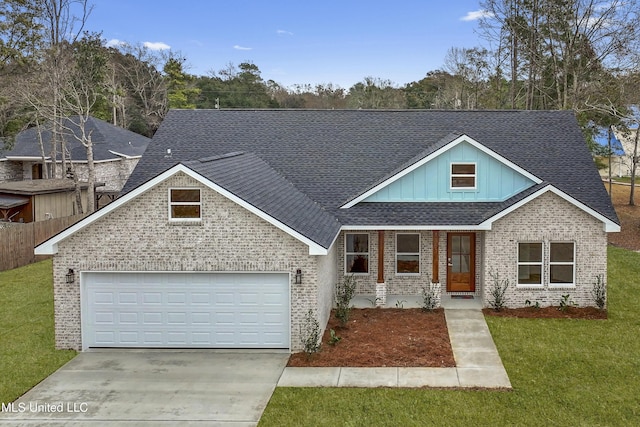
column 408, row 243
column 358, row 243
column 178, row 195
column 463, row 181
column 357, row 263
column 182, row 211
column 561, row 252
column 463, row 169
column 530, row 274
column 530, row 252
column 561, row 273
column 408, row 264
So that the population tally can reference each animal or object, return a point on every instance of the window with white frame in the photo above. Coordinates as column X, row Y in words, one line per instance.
column 407, row 253
column 561, row 263
column 463, row 175
column 185, row 204
column 530, row 263
column 356, row 253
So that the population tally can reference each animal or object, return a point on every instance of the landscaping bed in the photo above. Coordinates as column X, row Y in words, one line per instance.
column 389, row 337
column 548, row 313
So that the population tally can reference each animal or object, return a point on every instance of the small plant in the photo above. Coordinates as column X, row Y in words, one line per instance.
column 599, row 292
column 528, row 303
column 400, row 303
column 429, row 296
column 566, row 302
column 497, row 291
column 333, row 339
column 310, row 334
column 374, row 301
column 344, row 293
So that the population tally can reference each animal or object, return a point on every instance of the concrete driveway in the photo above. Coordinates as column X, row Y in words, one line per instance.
column 152, row 387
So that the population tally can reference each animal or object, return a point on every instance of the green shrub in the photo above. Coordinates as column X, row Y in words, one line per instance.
column 497, row 291
column 430, row 296
column 344, row 293
column 599, row 292
column 310, row 333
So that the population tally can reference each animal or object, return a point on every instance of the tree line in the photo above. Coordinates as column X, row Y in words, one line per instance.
column 582, row 55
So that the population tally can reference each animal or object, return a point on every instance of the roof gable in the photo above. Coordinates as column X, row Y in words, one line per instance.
column 426, row 177
column 49, row 247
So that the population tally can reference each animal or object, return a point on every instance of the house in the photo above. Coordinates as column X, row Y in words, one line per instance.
column 236, row 223
column 116, row 152
column 39, row 199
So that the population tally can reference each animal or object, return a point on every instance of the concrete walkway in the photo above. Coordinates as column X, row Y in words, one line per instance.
column 477, row 364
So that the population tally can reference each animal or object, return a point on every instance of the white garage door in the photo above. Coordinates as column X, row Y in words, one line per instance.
column 185, row 310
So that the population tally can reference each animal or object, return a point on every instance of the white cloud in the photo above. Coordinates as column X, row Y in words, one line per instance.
column 475, row 15
column 156, row 45
column 284, row 33
column 238, row 47
column 115, row 43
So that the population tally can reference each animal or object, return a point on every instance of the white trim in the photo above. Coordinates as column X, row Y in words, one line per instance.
column 474, row 175
column 171, row 203
column 419, row 253
column 424, row 160
column 572, row 263
column 124, row 155
column 50, row 247
column 417, row 227
column 609, row 226
column 347, row 253
column 530, row 263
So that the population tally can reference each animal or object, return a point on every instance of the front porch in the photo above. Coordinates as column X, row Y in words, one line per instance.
column 448, row 301
column 391, row 267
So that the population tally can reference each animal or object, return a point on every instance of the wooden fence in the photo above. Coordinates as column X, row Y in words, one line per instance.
column 18, row 240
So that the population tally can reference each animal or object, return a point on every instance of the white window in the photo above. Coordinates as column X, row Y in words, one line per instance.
column 407, row 254
column 185, row 204
column 463, row 176
column 561, row 263
column 530, row 264
column 356, row 253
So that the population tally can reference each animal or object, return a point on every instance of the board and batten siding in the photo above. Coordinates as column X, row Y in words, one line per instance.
column 430, row 182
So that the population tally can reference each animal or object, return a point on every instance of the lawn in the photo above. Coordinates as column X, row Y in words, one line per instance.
column 27, row 351
column 564, row 372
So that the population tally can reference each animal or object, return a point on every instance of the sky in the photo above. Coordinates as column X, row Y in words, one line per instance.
column 297, row 41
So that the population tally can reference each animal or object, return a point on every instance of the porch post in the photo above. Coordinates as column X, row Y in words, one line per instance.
column 381, row 287
column 435, row 277
column 380, row 256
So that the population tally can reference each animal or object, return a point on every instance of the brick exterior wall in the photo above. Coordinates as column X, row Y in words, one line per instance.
column 546, row 219
column 396, row 284
column 10, row 171
column 138, row 237
column 113, row 173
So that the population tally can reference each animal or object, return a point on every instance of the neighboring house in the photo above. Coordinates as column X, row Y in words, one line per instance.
column 236, row 223
column 116, row 151
column 40, row 199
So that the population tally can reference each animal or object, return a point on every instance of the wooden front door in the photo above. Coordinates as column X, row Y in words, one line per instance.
column 461, row 262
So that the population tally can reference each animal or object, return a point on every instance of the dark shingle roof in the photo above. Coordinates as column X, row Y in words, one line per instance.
column 254, row 181
column 107, row 139
column 332, row 156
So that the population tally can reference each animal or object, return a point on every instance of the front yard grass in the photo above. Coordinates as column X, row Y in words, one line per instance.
column 563, row 372
column 27, row 349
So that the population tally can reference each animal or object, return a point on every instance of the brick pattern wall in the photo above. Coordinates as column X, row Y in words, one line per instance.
column 113, row 173
column 138, row 237
column 546, row 219
column 396, row 284
column 10, row 171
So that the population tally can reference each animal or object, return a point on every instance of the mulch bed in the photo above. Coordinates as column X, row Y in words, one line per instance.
column 548, row 313
column 389, row 337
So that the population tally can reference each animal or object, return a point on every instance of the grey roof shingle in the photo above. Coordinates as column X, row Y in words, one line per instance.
column 332, row 156
column 107, row 139
column 254, row 181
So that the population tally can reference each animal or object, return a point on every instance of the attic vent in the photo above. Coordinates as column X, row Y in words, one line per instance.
column 220, row 157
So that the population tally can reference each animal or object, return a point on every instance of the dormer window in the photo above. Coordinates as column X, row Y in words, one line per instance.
column 463, row 176
column 184, row 204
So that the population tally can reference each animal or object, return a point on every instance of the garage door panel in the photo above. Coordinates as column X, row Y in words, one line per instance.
column 203, row 310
